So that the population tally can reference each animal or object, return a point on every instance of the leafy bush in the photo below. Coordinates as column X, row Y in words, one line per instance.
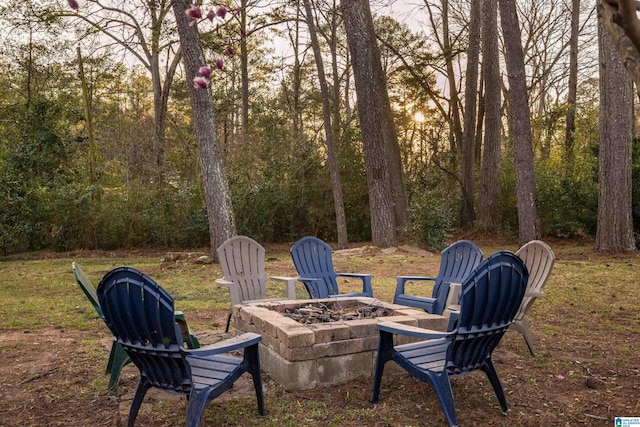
column 431, row 220
column 432, row 206
column 568, row 198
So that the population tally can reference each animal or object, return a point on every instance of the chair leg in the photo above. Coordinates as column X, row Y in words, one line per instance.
column 118, row 358
column 112, row 355
column 253, row 367
column 196, row 406
column 385, row 351
column 226, row 329
column 526, row 332
column 491, row 372
column 143, row 386
column 522, row 326
column 442, row 386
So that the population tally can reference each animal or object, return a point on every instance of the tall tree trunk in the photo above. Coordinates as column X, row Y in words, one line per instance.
column 244, row 71
column 467, row 149
column 216, row 187
column 86, row 99
column 573, row 79
column 335, row 92
column 392, row 149
column 528, row 218
column 332, row 158
column 621, row 21
column 454, row 100
column 297, row 84
column 490, row 173
column 362, row 46
column 615, row 226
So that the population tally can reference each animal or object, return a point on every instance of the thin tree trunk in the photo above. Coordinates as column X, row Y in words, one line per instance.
column 615, row 225
column 297, row 83
column 454, row 100
column 332, row 158
column 216, row 187
column 528, row 218
column 490, row 172
column 467, row 149
column 244, row 72
column 573, row 79
column 86, row 98
column 362, row 46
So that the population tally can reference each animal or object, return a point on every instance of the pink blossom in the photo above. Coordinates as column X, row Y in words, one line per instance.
column 229, row 50
column 219, row 64
column 200, row 83
column 222, row 12
column 204, row 71
column 210, row 15
column 73, row 4
column 194, row 12
column 238, row 10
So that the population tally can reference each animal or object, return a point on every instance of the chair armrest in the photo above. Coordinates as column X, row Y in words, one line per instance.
column 235, row 343
column 412, row 331
column 534, row 294
column 407, row 278
column 402, row 280
column 233, row 290
column 366, row 282
column 308, row 279
column 453, row 296
column 291, row 283
column 358, row 275
column 224, row 282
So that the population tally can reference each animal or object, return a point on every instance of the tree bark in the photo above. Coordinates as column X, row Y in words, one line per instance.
column 573, row 79
column 244, row 72
column 216, row 187
column 490, row 172
column 332, row 158
column 528, row 217
column 363, row 49
column 615, row 226
column 467, row 149
column 454, row 100
column 621, row 21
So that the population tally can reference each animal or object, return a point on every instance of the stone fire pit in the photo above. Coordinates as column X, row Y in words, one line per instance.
column 311, row 343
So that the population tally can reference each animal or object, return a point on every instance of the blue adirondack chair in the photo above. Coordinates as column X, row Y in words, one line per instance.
column 489, row 300
column 141, row 316
column 456, row 262
column 118, row 358
column 313, row 259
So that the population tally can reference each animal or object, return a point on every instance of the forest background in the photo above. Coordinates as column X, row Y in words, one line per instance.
column 97, row 149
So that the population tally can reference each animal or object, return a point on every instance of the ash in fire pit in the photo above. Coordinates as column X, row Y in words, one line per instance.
column 324, row 312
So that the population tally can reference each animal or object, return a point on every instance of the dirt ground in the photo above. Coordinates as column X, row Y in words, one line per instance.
column 585, row 373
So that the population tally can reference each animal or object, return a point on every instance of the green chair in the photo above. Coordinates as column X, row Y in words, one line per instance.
column 118, row 358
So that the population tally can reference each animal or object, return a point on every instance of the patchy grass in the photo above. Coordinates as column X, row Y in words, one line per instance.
column 586, row 333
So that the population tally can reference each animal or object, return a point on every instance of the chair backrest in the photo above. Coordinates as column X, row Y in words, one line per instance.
column 242, row 262
column 457, row 261
column 539, row 259
column 140, row 314
column 313, row 258
column 87, row 287
column 490, row 298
